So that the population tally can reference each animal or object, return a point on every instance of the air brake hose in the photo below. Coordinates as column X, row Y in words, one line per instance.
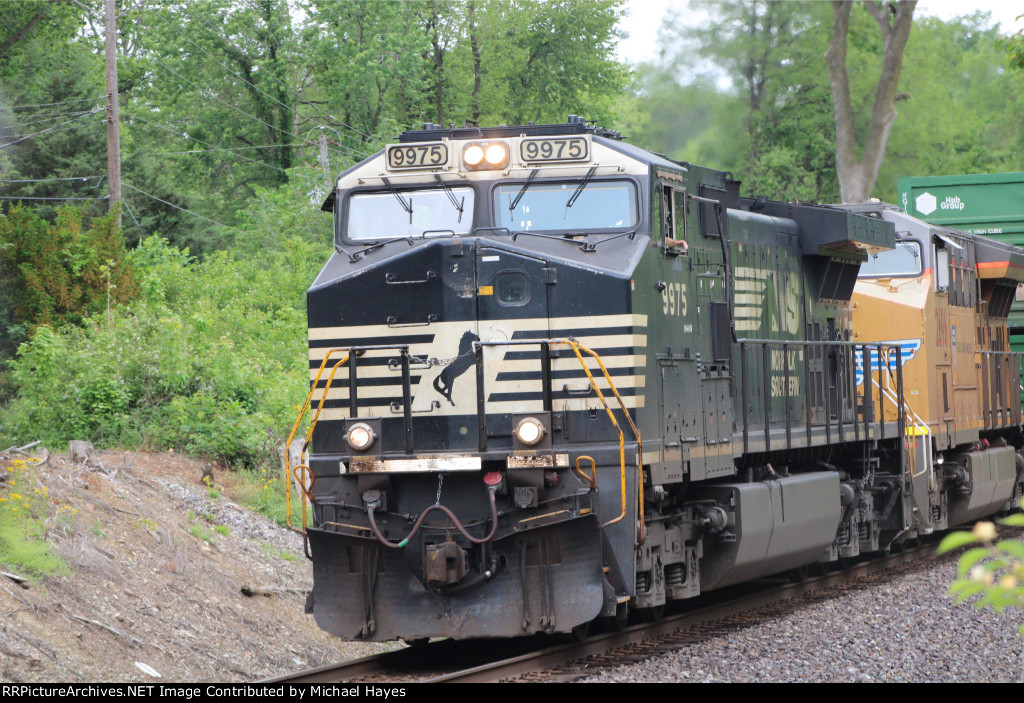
column 451, row 516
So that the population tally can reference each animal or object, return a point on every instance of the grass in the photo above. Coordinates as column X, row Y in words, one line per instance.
column 24, row 507
column 200, row 532
column 263, row 491
column 280, row 553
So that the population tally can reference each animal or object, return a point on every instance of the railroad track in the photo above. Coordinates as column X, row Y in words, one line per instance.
column 546, row 658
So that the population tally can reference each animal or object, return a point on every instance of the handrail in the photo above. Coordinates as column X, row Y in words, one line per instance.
column 592, row 478
column 295, row 428
column 847, row 411
column 576, row 347
column 307, row 491
column 998, row 363
column 578, row 350
column 349, row 352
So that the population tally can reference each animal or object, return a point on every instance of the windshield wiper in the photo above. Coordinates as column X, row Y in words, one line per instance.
column 582, row 245
column 522, row 191
column 407, row 206
column 581, row 186
column 354, row 256
column 451, row 196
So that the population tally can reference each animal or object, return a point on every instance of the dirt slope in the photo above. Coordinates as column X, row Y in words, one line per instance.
column 155, row 589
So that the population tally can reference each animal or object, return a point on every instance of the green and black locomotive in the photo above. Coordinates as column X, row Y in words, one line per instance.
column 557, row 377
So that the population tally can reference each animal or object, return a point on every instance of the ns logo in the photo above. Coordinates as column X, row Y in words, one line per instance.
column 444, row 382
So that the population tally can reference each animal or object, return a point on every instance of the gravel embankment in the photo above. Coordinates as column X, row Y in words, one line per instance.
column 906, row 630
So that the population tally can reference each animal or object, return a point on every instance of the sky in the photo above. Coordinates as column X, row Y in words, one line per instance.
column 644, row 19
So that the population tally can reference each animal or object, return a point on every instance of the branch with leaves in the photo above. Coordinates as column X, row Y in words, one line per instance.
column 993, row 570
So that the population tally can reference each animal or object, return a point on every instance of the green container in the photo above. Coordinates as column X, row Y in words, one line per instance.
column 990, row 204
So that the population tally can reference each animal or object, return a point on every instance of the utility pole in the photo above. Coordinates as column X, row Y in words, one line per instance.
column 324, row 161
column 113, row 114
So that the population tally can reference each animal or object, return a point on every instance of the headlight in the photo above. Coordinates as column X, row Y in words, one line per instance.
column 360, row 437
column 530, row 431
column 473, row 155
column 496, row 154
column 478, row 156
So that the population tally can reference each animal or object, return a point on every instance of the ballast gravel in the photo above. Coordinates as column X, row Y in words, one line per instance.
column 904, row 630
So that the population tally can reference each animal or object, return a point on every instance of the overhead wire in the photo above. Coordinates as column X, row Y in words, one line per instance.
column 46, row 180
column 27, row 197
column 290, row 90
column 55, row 127
column 229, row 148
column 249, row 83
column 67, row 102
column 39, row 121
column 177, row 207
column 200, row 141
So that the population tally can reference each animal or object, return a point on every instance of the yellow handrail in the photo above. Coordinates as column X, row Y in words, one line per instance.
column 307, row 491
column 295, row 429
column 575, row 346
column 592, row 478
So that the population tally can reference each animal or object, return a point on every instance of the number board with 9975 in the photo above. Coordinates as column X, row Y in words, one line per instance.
column 559, row 149
column 418, row 156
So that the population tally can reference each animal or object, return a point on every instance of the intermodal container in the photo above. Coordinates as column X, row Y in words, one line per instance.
column 990, row 204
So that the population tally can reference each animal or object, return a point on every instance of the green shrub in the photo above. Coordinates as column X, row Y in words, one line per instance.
column 209, row 358
column 993, row 572
column 24, row 521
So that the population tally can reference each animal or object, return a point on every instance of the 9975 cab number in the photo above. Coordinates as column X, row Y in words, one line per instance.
column 561, row 149
column 418, row 156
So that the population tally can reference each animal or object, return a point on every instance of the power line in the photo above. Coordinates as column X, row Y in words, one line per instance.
column 26, row 197
column 216, row 148
column 227, row 148
column 241, row 77
column 289, row 89
column 55, row 114
column 194, row 214
column 237, row 109
column 41, row 119
column 45, row 180
column 36, row 134
column 68, row 102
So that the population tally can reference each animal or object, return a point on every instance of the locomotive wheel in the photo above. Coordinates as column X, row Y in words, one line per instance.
column 619, row 621
column 653, row 614
column 581, row 632
column 799, row 574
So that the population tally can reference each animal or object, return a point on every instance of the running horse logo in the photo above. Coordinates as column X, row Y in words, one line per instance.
column 458, row 366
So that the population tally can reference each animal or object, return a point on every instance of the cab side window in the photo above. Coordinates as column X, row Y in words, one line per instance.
column 954, row 275
column 673, row 202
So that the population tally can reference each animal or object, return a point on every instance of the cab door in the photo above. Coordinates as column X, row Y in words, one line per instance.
column 512, row 304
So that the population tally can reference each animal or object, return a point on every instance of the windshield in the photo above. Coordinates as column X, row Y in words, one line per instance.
column 904, row 260
column 409, row 213
column 545, row 206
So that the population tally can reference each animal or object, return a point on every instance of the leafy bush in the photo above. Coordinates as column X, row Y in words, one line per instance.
column 994, row 570
column 209, row 359
column 60, row 272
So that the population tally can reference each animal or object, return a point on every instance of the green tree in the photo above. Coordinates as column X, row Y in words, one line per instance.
column 216, row 119
column 54, row 274
column 771, row 52
column 962, row 108
column 857, row 171
column 51, row 102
